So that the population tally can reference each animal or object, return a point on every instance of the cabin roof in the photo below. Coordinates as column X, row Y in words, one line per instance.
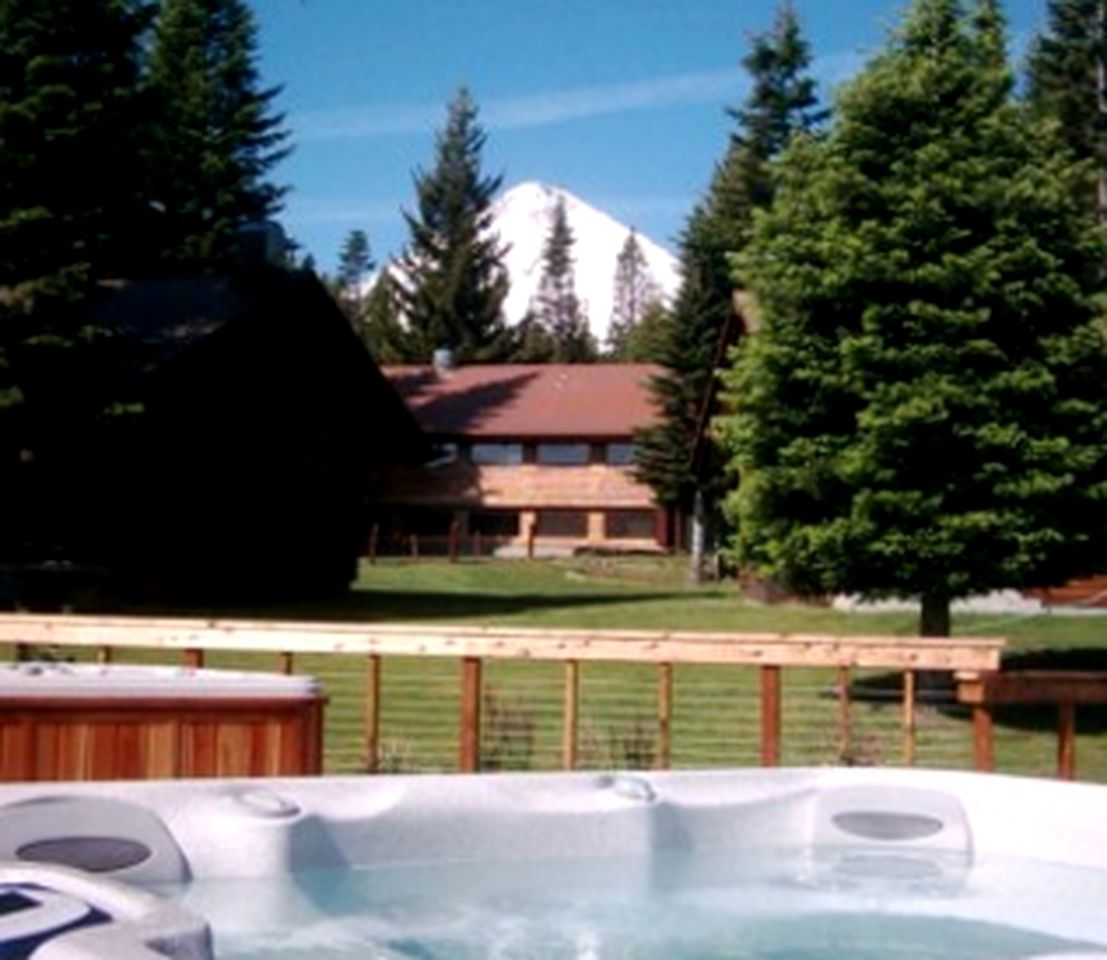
column 552, row 400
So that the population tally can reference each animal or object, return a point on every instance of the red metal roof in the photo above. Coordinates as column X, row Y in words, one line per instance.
column 594, row 400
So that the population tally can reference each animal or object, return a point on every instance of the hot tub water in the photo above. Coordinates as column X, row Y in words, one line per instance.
column 744, row 865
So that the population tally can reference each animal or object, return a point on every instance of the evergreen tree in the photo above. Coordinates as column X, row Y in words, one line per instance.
column 354, row 265
column 454, row 280
column 781, row 103
column 1068, row 81
column 648, row 339
column 531, row 341
column 69, row 115
column 920, row 412
column 555, row 306
column 634, row 293
column 70, row 111
column 379, row 325
column 215, row 139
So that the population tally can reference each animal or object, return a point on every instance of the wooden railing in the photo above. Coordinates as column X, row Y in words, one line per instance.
column 471, row 645
column 1065, row 690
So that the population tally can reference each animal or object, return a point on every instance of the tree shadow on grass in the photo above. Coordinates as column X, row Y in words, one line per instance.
column 377, row 606
column 888, row 687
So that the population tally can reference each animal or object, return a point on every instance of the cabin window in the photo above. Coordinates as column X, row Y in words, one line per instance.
column 497, row 454
column 629, row 525
column 427, row 522
column 563, row 523
column 499, row 523
column 563, row 454
column 620, row 454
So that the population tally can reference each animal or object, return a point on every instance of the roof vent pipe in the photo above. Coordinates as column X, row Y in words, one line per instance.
column 443, row 359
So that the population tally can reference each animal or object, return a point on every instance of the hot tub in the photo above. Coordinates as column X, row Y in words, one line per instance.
column 104, row 722
column 824, row 863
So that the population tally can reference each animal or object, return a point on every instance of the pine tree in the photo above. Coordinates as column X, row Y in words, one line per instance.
column 215, row 139
column 634, row 293
column 921, row 413
column 531, row 341
column 648, row 339
column 355, row 262
column 555, row 306
column 454, row 280
column 781, row 103
column 379, row 326
column 70, row 110
column 1068, row 82
column 69, row 114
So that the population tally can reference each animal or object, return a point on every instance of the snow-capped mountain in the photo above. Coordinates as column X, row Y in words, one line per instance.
column 522, row 218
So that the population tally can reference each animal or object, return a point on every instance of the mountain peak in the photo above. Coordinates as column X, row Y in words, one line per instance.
column 522, row 217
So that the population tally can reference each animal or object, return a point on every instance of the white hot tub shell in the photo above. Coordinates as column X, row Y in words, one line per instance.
column 958, row 830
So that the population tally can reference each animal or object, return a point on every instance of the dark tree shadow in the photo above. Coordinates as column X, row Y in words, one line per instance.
column 888, row 687
column 456, row 412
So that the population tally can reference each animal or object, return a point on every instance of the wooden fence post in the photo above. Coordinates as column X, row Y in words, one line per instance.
column 909, row 678
column 374, row 542
column 983, row 738
column 104, row 654
column 454, row 541
column 664, row 716
column 844, row 726
column 570, row 716
column 285, row 663
column 469, row 738
column 1066, row 740
column 770, row 716
column 194, row 658
column 373, row 713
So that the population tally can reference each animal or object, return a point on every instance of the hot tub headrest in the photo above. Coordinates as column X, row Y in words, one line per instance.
column 95, row 834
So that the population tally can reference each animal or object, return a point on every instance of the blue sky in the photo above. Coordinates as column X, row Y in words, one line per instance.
column 621, row 102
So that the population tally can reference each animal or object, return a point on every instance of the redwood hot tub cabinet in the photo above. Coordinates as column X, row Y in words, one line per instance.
column 116, row 722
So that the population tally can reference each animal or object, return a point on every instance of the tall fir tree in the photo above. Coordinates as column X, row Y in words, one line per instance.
column 648, row 339
column 781, row 102
column 70, row 116
column 216, row 137
column 634, row 293
column 921, row 413
column 378, row 323
column 555, row 308
column 355, row 262
column 1068, row 82
column 454, row 281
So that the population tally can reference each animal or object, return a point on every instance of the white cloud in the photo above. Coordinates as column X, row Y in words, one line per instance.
column 513, row 113
column 724, row 86
column 307, row 212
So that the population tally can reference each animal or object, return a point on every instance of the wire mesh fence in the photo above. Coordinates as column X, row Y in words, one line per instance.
column 715, row 717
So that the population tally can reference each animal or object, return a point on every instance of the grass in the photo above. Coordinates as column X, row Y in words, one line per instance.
column 716, row 711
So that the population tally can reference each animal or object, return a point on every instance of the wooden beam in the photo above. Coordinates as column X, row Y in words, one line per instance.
column 193, row 658
column 770, row 716
column 642, row 646
column 469, row 732
column 1036, row 687
column 285, row 663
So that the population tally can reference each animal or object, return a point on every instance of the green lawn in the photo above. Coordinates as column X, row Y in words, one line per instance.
column 716, row 711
